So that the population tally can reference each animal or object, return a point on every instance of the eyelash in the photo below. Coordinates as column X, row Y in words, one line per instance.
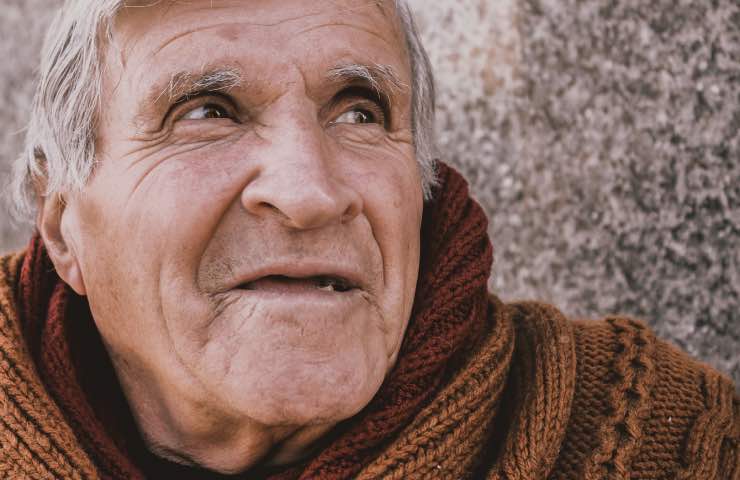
column 188, row 103
column 356, row 97
column 364, row 98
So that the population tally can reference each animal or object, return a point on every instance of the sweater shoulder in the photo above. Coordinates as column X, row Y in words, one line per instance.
column 11, row 340
column 12, row 344
column 37, row 441
column 10, row 267
column 643, row 408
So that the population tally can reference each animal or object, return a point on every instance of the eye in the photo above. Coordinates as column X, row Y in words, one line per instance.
column 357, row 115
column 207, row 112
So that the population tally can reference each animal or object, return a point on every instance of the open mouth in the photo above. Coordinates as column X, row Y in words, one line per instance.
column 283, row 283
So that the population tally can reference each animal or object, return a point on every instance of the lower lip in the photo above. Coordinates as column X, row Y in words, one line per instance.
column 290, row 293
column 309, row 309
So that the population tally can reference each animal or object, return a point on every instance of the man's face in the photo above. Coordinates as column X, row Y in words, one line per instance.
column 249, row 242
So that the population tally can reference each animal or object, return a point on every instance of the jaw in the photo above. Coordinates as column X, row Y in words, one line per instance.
column 190, row 426
column 263, row 379
column 222, row 389
column 306, row 358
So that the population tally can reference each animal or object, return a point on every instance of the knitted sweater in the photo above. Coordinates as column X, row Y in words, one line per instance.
column 538, row 397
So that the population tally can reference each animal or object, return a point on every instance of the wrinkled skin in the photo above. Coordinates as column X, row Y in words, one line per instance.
column 204, row 239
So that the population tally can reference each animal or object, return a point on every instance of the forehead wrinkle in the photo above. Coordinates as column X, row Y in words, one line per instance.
column 185, row 33
column 379, row 4
column 347, row 25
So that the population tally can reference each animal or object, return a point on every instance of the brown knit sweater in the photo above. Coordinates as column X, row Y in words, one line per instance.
column 539, row 397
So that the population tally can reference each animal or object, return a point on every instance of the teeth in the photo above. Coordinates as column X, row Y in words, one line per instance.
column 326, row 284
column 332, row 284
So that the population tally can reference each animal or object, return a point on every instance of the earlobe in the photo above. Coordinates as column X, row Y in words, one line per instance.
column 51, row 221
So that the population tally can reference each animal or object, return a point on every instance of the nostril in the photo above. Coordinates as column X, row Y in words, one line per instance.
column 267, row 209
column 347, row 217
column 352, row 209
column 354, row 205
column 268, row 206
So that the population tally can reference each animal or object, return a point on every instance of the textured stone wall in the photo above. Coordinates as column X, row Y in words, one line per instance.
column 602, row 137
column 22, row 28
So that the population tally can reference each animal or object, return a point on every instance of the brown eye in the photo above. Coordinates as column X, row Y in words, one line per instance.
column 206, row 112
column 357, row 116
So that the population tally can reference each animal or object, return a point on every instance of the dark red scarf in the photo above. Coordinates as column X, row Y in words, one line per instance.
column 449, row 311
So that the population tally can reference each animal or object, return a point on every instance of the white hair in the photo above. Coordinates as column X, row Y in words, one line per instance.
column 59, row 153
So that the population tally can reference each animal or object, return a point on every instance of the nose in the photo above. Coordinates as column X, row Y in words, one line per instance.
column 298, row 183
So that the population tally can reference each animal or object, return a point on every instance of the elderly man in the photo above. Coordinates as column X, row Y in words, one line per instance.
column 247, row 263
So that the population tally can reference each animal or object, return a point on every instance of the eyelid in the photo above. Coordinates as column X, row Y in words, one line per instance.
column 373, row 108
column 188, row 102
column 368, row 95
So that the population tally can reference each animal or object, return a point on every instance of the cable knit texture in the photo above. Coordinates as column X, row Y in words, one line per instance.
column 482, row 390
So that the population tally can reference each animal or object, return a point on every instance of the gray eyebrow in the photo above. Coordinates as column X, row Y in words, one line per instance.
column 381, row 78
column 185, row 84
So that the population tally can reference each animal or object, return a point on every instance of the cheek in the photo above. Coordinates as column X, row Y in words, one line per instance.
column 153, row 217
column 386, row 173
column 393, row 204
column 176, row 193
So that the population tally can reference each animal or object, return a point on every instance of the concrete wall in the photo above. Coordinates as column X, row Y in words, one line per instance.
column 602, row 137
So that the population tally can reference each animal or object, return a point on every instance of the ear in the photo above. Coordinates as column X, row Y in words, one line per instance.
column 52, row 223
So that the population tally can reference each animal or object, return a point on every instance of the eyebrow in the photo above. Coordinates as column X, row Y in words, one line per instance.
column 184, row 85
column 381, row 78
column 187, row 84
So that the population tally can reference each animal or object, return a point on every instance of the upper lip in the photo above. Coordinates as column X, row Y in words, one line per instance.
column 351, row 277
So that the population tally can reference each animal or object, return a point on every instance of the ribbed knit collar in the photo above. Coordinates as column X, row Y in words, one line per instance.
column 451, row 319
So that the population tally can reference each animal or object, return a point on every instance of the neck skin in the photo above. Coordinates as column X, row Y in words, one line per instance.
column 215, row 439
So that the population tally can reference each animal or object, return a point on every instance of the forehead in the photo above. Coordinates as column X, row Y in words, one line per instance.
column 257, row 34
column 257, row 12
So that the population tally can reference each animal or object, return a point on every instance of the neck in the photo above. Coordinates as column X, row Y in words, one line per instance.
column 185, row 427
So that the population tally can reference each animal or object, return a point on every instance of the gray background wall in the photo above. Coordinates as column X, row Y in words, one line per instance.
column 602, row 137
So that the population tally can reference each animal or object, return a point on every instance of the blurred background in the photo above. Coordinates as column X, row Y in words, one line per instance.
column 602, row 138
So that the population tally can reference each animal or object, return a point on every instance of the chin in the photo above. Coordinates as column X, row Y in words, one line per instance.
column 301, row 392
column 331, row 401
column 281, row 368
